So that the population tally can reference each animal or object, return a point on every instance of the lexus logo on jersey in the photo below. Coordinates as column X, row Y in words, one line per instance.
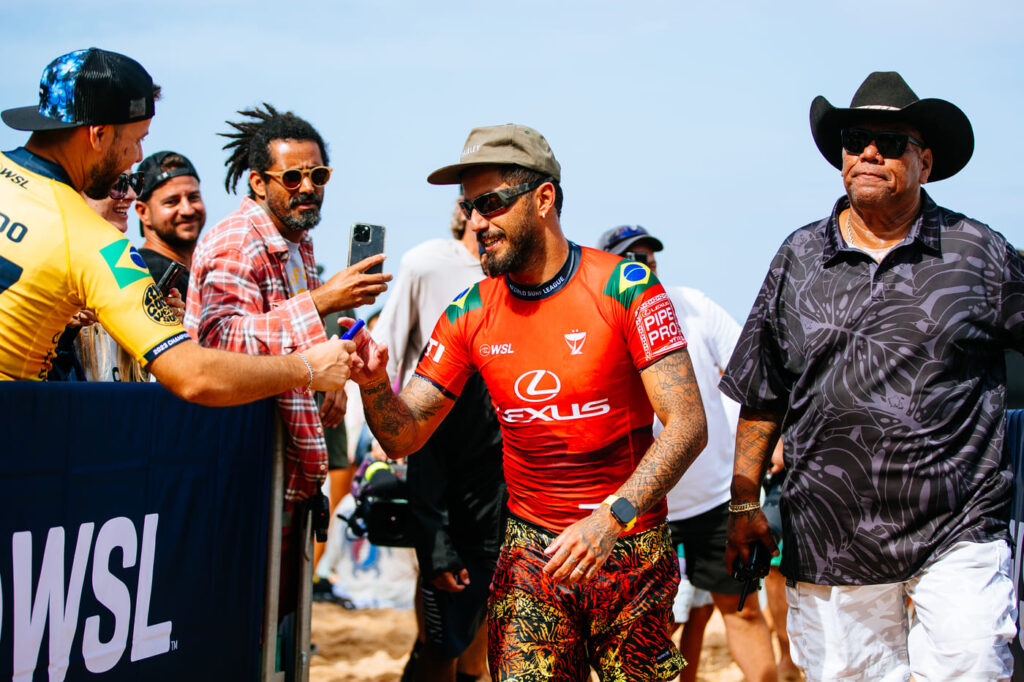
column 538, row 385
column 576, row 339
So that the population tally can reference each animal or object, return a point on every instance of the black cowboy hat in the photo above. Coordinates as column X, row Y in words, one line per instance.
column 885, row 97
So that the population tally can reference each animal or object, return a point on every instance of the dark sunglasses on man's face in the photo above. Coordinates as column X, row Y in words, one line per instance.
column 889, row 144
column 291, row 178
column 119, row 190
column 498, row 201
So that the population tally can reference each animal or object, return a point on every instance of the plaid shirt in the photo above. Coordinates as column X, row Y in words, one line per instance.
column 239, row 300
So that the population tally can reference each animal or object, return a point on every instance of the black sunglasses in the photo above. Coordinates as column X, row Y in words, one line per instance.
column 119, row 190
column 291, row 178
column 890, row 144
column 493, row 203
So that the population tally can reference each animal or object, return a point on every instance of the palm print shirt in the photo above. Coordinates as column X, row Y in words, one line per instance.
column 890, row 381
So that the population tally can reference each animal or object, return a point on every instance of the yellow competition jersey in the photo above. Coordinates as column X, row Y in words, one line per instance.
column 58, row 256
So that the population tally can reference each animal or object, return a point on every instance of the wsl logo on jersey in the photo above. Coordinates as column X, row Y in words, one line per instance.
column 125, row 262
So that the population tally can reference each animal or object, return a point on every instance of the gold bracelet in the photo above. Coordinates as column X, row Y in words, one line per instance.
column 743, row 507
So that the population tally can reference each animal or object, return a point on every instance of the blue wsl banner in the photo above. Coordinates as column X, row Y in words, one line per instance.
column 132, row 534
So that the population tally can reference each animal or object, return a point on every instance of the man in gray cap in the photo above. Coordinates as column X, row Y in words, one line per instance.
column 875, row 348
column 575, row 346
column 171, row 213
column 57, row 255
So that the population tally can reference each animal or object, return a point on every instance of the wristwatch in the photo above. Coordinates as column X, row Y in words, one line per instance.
column 622, row 510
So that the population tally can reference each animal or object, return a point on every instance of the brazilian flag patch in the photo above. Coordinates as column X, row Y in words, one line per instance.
column 628, row 281
column 125, row 262
column 463, row 303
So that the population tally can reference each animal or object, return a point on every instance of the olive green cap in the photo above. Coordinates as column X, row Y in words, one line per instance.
column 501, row 145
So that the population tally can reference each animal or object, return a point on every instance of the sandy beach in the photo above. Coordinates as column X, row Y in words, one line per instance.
column 372, row 645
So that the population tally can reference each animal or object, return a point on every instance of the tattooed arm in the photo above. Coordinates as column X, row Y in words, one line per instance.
column 582, row 548
column 401, row 423
column 756, row 436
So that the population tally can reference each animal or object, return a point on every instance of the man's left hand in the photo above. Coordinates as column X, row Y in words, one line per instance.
column 332, row 411
column 177, row 304
column 582, row 548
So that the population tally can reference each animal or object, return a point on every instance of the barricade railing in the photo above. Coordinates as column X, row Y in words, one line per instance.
column 140, row 537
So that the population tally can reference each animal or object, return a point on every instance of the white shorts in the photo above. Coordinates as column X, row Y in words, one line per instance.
column 963, row 617
column 688, row 597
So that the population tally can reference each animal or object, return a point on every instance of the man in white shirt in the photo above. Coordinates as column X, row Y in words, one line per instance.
column 698, row 504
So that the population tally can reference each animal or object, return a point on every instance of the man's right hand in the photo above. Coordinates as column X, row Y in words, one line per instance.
column 351, row 287
column 742, row 529
column 450, row 581
column 372, row 356
column 332, row 362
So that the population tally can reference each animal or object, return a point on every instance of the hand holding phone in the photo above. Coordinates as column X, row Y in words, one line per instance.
column 361, row 282
column 366, row 240
column 169, row 280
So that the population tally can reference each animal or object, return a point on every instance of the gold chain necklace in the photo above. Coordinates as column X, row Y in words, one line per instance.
column 877, row 254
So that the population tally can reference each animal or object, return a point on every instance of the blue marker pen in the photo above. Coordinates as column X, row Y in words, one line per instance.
column 353, row 330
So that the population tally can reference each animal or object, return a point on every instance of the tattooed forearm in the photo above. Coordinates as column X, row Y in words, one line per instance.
column 756, row 435
column 673, row 392
column 402, row 423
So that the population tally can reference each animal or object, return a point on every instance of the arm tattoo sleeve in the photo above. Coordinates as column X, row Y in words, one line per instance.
column 402, row 423
column 672, row 389
column 756, row 435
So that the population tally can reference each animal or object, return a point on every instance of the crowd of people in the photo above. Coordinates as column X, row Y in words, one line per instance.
column 588, row 448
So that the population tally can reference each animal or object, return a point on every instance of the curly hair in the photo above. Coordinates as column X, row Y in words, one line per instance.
column 249, row 146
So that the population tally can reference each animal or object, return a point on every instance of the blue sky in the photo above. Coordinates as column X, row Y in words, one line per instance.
column 687, row 118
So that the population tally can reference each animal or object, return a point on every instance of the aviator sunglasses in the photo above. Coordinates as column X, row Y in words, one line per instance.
column 119, row 190
column 492, row 203
column 890, row 144
column 291, row 178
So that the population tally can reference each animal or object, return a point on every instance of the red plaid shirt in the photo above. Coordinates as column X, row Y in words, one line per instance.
column 239, row 300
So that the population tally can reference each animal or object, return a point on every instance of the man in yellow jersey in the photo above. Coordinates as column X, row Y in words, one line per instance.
column 57, row 255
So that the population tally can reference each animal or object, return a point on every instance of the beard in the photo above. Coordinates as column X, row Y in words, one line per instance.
column 307, row 219
column 171, row 238
column 102, row 177
column 523, row 246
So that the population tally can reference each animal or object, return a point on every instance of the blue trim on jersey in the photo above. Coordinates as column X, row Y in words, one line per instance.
column 438, row 386
column 39, row 165
column 164, row 345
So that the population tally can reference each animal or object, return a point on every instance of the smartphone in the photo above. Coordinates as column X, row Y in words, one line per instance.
column 365, row 241
column 169, row 280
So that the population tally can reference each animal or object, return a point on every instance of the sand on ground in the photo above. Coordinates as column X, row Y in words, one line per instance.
column 372, row 645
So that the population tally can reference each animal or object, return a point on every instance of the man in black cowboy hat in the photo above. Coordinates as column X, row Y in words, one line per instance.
column 875, row 349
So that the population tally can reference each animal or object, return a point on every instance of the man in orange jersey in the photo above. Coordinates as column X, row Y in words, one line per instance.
column 575, row 347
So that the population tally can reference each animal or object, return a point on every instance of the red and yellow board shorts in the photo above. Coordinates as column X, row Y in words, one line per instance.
column 616, row 622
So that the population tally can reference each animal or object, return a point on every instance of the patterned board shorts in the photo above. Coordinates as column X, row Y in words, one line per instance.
column 617, row 622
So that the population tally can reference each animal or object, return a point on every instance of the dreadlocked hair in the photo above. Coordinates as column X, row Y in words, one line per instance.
column 249, row 146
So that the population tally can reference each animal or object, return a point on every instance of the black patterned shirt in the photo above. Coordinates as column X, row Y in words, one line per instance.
column 890, row 381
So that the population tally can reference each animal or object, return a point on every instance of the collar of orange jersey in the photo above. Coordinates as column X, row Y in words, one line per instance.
column 553, row 285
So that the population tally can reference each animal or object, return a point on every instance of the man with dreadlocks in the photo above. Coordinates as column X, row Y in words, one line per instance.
column 254, row 287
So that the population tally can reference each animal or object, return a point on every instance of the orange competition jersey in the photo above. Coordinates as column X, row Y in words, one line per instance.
column 561, row 363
